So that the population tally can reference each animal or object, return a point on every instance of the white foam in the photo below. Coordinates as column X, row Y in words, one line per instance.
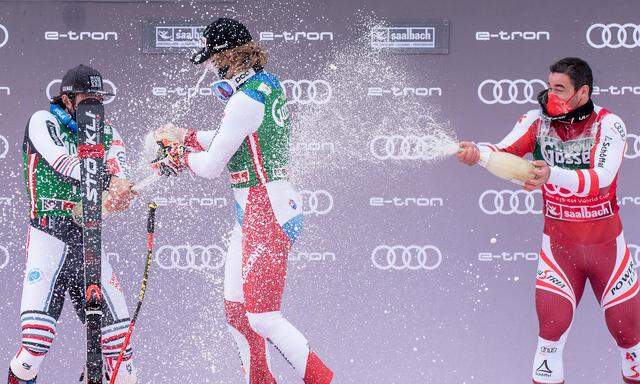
column 354, row 123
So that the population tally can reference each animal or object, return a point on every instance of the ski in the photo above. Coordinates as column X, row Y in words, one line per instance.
column 90, row 119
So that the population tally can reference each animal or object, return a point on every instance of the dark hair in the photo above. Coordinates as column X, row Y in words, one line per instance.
column 58, row 99
column 577, row 69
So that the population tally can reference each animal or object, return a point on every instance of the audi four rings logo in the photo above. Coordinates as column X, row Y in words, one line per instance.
column 107, row 100
column 633, row 248
column 508, row 202
column 553, row 189
column 614, row 35
column 4, row 35
column 317, row 203
column 398, row 147
column 633, row 146
column 4, row 257
column 307, row 91
column 190, row 258
column 4, row 147
column 505, row 91
column 412, row 257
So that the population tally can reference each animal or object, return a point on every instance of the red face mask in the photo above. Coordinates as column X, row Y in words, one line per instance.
column 556, row 106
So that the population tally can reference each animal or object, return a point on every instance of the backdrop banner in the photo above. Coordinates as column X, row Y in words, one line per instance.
column 408, row 271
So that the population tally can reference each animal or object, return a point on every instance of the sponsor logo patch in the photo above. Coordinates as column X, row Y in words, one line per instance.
column 51, row 127
column 578, row 213
column 239, row 177
column 431, row 36
column 56, row 205
column 544, row 370
column 34, row 276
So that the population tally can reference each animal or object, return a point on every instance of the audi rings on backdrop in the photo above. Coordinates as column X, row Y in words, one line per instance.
column 399, row 147
column 4, row 257
column 191, row 258
column 109, row 86
column 634, row 249
column 4, row 147
column 319, row 202
column 505, row 91
column 4, row 35
column 632, row 150
column 412, row 257
column 307, row 91
column 507, row 202
column 614, row 35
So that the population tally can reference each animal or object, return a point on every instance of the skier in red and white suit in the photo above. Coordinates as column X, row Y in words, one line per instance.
column 578, row 148
column 252, row 142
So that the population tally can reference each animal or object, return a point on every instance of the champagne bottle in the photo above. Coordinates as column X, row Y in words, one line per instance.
column 507, row 166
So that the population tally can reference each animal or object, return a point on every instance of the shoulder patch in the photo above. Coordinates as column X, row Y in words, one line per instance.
column 616, row 123
column 620, row 128
column 51, row 127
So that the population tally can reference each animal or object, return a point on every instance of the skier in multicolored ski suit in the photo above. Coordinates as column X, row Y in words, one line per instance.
column 253, row 143
column 578, row 147
column 55, row 261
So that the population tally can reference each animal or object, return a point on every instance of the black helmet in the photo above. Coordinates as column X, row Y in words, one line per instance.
column 221, row 35
column 82, row 79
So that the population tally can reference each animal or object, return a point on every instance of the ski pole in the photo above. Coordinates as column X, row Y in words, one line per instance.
column 143, row 288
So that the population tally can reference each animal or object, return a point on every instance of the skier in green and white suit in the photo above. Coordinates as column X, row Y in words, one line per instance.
column 55, row 262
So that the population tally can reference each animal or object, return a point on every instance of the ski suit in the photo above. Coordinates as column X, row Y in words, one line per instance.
column 583, row 236
column 55, row 263
column 253, row 143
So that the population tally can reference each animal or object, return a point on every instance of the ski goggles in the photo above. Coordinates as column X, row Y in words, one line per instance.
column 223, row 90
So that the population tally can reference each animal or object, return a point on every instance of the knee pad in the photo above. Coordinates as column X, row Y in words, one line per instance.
column 113, row 337
column 547, row 364
column 38, row 332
